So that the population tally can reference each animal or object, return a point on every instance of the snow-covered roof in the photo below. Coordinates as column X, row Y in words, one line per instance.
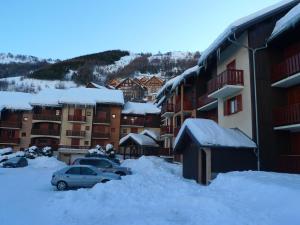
column 98, row 86
column 15, row 100
column 209, row 134
column 242, row 23
column 140, row 139
column 140, row 108
column 78, row 96
column 151, row 133
column 161, row 100
column 286, row 22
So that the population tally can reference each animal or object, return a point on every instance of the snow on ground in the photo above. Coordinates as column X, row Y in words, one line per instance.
column 21, row 83
column 6, row 58
column 154, row 194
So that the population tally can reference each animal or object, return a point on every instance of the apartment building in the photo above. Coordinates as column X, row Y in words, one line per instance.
column 15, row 119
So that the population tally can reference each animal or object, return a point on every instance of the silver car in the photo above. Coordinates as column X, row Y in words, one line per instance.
column 80, row 177
column 105, row 165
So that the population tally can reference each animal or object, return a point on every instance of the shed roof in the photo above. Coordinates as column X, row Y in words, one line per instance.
column 139, row 139
column 208, row 133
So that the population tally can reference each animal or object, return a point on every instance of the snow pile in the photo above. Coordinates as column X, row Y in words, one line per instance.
column 7, row 58
column 21, row 83
column 209, row 133
column 5, row 151
column 15, row 100
column 46, row 162
column 237, row 25
column 79, row 96
column 141, row 139
column 140, row 108
column 286, row 22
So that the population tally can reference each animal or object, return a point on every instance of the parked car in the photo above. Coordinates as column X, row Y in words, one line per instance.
column 80, row 177
column 95, row 155
column 47, row 151
column 32, row 152
column 15, row 162
column 105, row 165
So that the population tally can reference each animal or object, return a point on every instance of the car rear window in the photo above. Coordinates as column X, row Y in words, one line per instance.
column 90, row 162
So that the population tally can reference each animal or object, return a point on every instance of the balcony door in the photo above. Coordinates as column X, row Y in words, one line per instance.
column 75, row 141
column 231, row 65
column 76, row 127
column 77, row 113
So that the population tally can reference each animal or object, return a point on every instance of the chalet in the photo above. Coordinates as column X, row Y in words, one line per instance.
column 133, row 91
column 113, row 82
column 246, row 80
column 209, row 149
column 15, row 119
column 153, row 85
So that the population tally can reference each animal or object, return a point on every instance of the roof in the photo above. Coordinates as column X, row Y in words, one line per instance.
column 140, row 108
column 78, row 96
column 15, row 100
column 208, row 133
column 96, row 85
column 173, row 83
column 154, row 135
column 290, row 20
column 152, row 78
column 139, row 139
column 244, row 23
column 128, row 78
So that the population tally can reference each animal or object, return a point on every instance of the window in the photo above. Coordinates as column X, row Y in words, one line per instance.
column 233, row 105
column 57, row 112
column 134, row 130
column 74, row 171
column 86, row 142
column 25, row 118
column 124, row 131
column 23, row 134
column 104, row 164
column 231, row 65
column 87, row 128
column 88, row 113
column 87, row 171
column 113, row 116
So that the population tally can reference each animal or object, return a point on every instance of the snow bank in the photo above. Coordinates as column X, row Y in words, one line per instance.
column 209, row 133
column 45, row 162
column 140, row 108
column 15, row 100
column 286, row 22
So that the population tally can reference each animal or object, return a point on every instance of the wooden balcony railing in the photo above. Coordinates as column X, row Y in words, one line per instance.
column 188, row 103
column 177, row 107
column 9, row 140
column 165, row 151
column 77, row 118
column 45, row 132
column 100, row 135
column 167, row 108
column 75, row 133
column 74, row 146
column 46, row 117
column 101, row 120
column 204, row 100
column 286, row 68
column 166, row 129
column 287, row 115
column 228, row 77
column 133, row 122
column 11, row 124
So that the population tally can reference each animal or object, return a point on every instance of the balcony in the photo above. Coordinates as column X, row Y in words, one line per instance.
column 287, row 73
column 289, row 163
column 74, row 118
column 140, row 122
column 74, row 147
column 206, row 103
column 177, row 107
column 45, row 132
column 73, row 133
column 45, row 117
column 99, row 135
column 226, row 84
column 11, row 124
column 166, row 130
column 167, row 110
column 287, row 118
column 9, row 140
column 188, row 103
column 101, row 120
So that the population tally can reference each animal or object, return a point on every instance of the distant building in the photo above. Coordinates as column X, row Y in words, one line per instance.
column 133, row 91
column 153, row 85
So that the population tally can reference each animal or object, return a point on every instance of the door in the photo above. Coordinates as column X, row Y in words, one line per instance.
column 75, row 142
column 89, row 177
column 73, row 177
column 77, row 113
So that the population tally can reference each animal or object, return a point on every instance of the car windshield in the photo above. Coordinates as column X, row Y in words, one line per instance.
column 14, row 160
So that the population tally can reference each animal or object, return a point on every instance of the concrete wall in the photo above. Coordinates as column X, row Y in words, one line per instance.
column 242, row 119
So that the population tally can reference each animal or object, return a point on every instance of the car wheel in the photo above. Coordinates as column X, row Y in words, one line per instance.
column 120, row 173
column 61, row 185
column 104, row 181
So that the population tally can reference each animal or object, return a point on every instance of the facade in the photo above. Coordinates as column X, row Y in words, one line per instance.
column 133, row 91
column 153, row 85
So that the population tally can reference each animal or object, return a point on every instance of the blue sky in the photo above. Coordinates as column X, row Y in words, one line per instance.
column 67, row 28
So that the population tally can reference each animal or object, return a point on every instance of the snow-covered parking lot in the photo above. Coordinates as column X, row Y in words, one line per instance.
column 155, row 194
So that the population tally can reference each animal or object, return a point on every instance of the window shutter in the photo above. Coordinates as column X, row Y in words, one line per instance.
column 225, row 107
column 239, row 103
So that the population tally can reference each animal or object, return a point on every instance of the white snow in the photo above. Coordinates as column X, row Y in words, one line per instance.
column 236, row 25
column 155, row 194
column 15, row 100
column 209, row 133
column 184, row 76
column 140, row 108
column 286, row 22
column 7, row 58
column 141, row 139
column 79, row 96
column 153, row 134
column 175, row 55
column 21, row 83
column 5, row 151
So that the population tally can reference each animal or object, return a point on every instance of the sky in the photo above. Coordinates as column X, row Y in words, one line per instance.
column 62, row 29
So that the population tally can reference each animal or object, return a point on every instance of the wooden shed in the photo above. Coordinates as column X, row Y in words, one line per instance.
column 209, row 149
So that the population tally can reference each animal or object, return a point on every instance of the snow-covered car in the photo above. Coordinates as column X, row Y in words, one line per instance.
column 105, row 165
column 5, row 151
column 80, row 177
column 32, row 152
column 47, row 151
column 15, row 162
